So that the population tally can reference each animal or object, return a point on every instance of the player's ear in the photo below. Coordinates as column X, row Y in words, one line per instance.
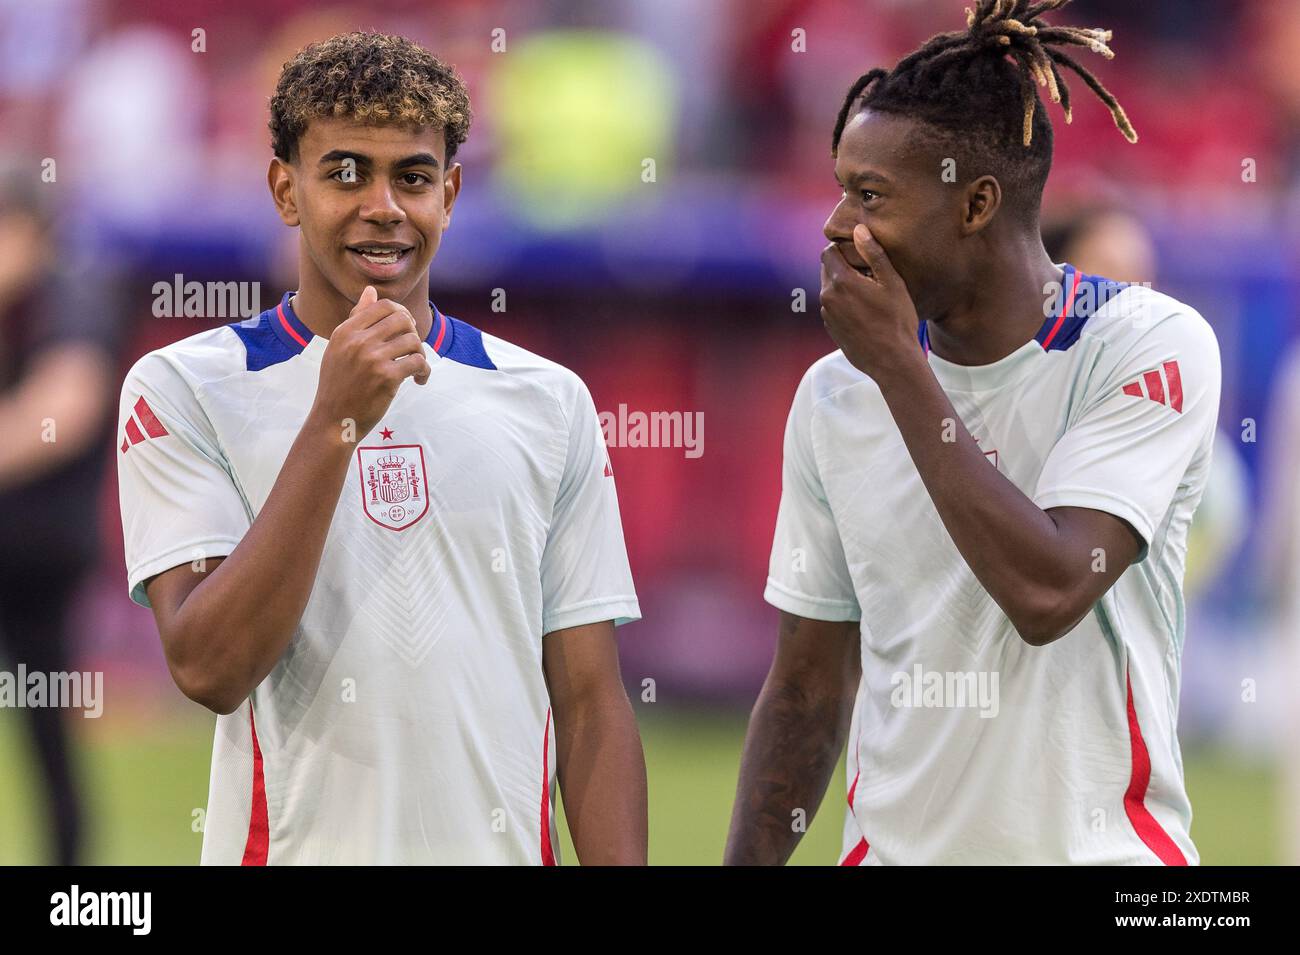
column 450, row 190
column 980, row 203
column 279, row 177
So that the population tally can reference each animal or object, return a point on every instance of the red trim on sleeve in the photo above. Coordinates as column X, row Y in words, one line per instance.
column 259, row 827
column 1145, row 824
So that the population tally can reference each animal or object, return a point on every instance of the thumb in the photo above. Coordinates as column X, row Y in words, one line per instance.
column 368, row 297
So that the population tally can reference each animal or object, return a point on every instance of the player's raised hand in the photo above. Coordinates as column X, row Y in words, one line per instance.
column 369, row 355
column 871, row 317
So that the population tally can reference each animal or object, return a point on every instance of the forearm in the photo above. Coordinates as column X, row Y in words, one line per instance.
column 791, row 748
column 601, row 770
column 232, row 628
column 1014, row 548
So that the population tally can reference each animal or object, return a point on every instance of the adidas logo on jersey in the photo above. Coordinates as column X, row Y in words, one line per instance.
column 143, row 418
column 1163, row 385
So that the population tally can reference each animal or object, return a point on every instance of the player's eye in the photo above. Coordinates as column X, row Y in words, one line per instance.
column 868, row 195
column 345, row 174
column 415, row 179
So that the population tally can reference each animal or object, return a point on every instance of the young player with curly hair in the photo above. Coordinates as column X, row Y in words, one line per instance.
column 382, row 545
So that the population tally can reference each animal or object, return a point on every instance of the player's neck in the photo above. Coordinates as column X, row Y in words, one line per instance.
column 1002, row 308
column 322, row 308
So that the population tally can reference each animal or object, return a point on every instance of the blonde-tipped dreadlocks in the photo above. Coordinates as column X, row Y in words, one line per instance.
column 1017, row 24
column 959, row 84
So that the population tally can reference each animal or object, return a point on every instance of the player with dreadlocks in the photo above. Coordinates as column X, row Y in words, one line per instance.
column 986, row 496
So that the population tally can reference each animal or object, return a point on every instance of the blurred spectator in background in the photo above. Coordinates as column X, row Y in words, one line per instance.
column 56, row 389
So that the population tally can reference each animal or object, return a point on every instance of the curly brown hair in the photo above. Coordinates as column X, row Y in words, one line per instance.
column 373, row 77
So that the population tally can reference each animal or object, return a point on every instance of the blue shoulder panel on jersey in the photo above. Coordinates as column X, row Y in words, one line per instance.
column 466, row 345
column 1060, row 331
column 1091, row 293
column 278, row 335
column 264, row 347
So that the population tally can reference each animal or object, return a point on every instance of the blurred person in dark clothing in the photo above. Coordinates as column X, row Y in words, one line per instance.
column 56, row 375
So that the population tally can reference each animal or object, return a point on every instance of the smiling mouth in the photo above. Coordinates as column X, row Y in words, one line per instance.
column 381, row 255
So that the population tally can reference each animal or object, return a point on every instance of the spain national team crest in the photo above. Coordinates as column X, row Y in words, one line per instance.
column 394, row 487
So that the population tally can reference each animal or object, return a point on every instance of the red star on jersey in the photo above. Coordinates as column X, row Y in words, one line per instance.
column 386, row 434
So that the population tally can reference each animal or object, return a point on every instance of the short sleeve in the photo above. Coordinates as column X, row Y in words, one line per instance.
column 1133, row 443
column 585, row 573
column 179, row 502
column 808, row 574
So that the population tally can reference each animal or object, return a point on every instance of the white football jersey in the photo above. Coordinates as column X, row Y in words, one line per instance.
column 967, row 744
column 408, row 721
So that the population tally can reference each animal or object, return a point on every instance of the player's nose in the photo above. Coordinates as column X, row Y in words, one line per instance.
column 380, row 205
column 839, row 225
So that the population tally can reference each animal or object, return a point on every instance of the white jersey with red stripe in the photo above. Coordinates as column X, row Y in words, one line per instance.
column 408, row 721
column 967, row 744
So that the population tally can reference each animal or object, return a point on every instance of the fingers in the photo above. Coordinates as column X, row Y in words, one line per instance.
column 369, row 296
column 406, row 352
column 828, row 322
column 873, row 254
column 834, row 266
column 365, row 315
column 392, row 325
column 407, row 344
column 414, row 364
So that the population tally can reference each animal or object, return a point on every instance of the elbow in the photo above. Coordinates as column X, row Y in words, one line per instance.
column 1045, row 615
column 204, row 684
column 222, row 704
column 1037, row 633
column 209, row 693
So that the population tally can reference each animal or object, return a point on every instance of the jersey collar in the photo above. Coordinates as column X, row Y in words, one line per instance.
column 289, row 328
column 1060, row 329
column 1064, row 324
column 1058, row 332
column 1078, row 298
